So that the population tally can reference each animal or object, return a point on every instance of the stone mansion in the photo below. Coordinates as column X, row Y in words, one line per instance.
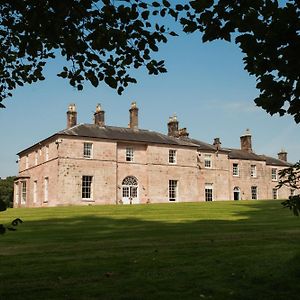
column 100, row 164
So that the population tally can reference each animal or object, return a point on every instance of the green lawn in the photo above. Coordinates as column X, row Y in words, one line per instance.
column 217, row 250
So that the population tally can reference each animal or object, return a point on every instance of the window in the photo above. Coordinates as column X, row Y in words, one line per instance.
column 87, row 150
column 207, row 161
column 46, row 188
column 35, row 158
column 172, row 156
column 274, row 174
column 47, row 153
column 86, row 192
column 26, row 162
column 235, row 170
column 24, row 192
column 173, row 190
column 274, row 193
column 17, row 193
column 35, row 191
column 208, row 192
column 129, row 154
column 253, row 171
column 254, row 192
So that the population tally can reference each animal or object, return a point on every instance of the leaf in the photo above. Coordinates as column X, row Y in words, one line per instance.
column 112, row 82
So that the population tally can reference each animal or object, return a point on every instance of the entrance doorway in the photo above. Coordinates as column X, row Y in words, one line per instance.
column 236, row 193
column 130, row 190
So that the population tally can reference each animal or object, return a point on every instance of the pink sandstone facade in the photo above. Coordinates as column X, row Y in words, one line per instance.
column 98, row 164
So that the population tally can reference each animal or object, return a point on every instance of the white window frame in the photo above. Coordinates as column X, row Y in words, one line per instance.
column 207, row 161
column 209, row 192
column 35, row 191
column 47, row 153
column 26, row 162
column 87, row 150
column 274, row 193
column 36, row 158
column 129, row 155
column 235, row 169
column 17, row 197
column 253, row 171
column 87, row 187
column 23, row 192
column 274, row 174
column 173, row 190
column 254, row 193
column 172, row 156
column 46, row 189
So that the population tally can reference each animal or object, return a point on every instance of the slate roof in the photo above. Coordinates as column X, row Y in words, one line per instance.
column 202, row 145
column 241, row 154
column 275, row 162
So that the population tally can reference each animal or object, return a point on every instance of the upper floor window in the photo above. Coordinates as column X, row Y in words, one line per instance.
column 253, row 192
column 173, row 190
column 47, row 153
column 253, row 170
column 274, row 174
column 36, row 158
column 86, row 189
column 207, row 161
column 129, row 154
column 172, row 156
column 235, row 170
column 26, row 162
column 87, row 150
column 208, row 192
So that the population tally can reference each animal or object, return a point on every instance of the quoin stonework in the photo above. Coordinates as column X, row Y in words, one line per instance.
column 100, row 164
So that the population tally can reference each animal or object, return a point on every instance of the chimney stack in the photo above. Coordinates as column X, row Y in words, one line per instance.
column 246, row 144
column 282, row 155
column 173, row 126
column 182, row 132
column 71, row 116
column 217, row 143
column 133, row 113
column 99, row 116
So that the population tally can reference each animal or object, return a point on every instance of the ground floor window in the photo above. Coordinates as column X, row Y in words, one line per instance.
column 173, row 190
column 275, row 193
column 35, row 191
column 16, row 193
column 130, row 190
column 23, row 192
column 254, row 192
column 46, row 188
column 86, row 192
column 208, row 192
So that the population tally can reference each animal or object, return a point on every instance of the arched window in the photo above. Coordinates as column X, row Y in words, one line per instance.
column 130, row 180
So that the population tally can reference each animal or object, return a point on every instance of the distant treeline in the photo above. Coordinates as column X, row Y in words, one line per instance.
column 7, row 190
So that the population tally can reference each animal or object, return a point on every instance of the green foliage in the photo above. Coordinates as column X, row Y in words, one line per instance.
column 290, row 177
column 268, row 35
column 102, row 40
column 14, row 223
column 7, row 190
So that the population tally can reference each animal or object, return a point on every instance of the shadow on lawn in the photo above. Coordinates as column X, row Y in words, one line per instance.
column 99, row 257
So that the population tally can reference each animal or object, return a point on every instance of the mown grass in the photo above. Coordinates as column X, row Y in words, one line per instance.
column 218, row 250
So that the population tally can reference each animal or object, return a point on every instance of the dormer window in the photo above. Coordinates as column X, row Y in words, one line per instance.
column 87, row 150
column 129, row 154
column 172, row 156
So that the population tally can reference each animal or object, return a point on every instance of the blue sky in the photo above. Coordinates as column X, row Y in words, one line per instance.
column 205, row 86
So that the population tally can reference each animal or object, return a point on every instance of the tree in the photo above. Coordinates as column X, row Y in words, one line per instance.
column 7, row 190
column 14, row 223
column 291, row 177
column 101, row 40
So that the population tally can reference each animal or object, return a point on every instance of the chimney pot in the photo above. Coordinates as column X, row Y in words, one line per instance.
column 282, row 155
column 173, row 126
column 246, row 143
column 71, row 116
column 99, row 116
column 133, row 116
